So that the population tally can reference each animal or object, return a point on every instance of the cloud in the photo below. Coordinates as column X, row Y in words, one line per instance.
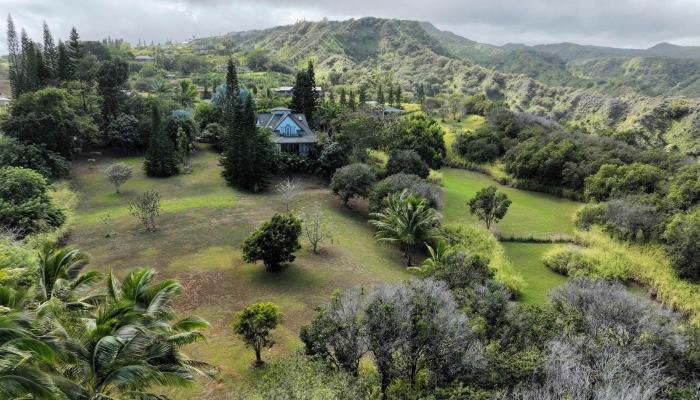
column 624, row 23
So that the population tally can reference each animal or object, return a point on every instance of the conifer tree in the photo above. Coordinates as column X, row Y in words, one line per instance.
column 362, row 96
column 161, row 157
column 304, row 94
column 63, row 68
column 75, row 52
column 343, row 98
column 15, row 72
column 50, row 53
column 351, row 101
column 397, row 96
column 420, row 93
column 380, row 94
column 390, row 94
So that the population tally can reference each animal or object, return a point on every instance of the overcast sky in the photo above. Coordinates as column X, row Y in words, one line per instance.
column 621, row 23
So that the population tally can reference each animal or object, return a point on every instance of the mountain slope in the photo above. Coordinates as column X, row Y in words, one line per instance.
column 573, row 51
column 462, row 47
column 368, row 51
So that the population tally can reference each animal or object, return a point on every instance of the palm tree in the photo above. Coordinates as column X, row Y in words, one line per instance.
column 22, row 352
column 161, row 87
column 128, row 344
column 186, row 93
column 407, row 219
column 60, row 274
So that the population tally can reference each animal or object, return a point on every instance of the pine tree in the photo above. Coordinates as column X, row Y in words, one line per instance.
column 75, row 52
column 362, row 96
column 63, row 67
column 397, row 96
column 50, row 53
column 351, row 101
column 304, row 94
column 390, row 94
column 162, row 158
column 15, row 72
column 331, row 98
column 380, row 94
column 420, row 94
column 343, row 98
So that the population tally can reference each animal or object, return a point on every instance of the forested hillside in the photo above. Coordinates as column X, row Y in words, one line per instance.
column 373, row 51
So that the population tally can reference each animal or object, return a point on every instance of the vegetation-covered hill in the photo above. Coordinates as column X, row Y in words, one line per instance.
column 369, row 51
column 573, row 51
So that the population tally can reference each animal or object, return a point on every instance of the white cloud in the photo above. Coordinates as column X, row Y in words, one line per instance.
column 625, row 23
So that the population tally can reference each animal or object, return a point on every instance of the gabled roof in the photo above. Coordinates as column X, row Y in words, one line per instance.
column 272, row 121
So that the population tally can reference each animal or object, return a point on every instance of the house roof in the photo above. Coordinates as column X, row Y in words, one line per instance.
column 272, row 121
column 289, row 88
column 390, row 109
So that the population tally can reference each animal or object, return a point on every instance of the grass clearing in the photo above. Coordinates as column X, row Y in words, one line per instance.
column 526, row 259
column 200, row 230
column 532, row 213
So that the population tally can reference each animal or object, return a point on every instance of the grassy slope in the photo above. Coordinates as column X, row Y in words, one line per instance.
column 200, row 231
column 530, row 213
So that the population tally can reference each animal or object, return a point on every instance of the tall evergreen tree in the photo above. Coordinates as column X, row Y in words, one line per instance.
column 304, row 94
column 351, row 101
column 111, row 78
column 390, row 94
column 75, row 52
column 161, row 157
column 362, row 95
column 343, row 98
column 63, row 71
column 50, row 53
column 15, row 72
column 420, row 93
column 299, row 92
column 397, row 96
column 380, row 94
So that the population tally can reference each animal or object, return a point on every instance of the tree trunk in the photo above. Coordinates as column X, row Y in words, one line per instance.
column 258, row 359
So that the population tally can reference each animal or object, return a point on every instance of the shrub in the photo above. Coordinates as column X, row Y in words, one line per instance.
column 332, row 157
column 616, row 181
column 354, row 180
column 407, row 162
column 481, row 146
column 118, row 173
column 146, row 207
column 274, row 242
column 50, row 164
column 397, row 183
column 682, row 238
column 214, row 134
column 421, row 134
column 589, row 262
column 25, row 205
column 123, row 134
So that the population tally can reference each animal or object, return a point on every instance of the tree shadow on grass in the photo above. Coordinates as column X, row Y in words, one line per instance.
column 287, row 277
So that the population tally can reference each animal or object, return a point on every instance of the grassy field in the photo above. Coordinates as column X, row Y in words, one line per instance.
column 199, row 234
column 530, row 213
column 526, row 259
column 533, row 213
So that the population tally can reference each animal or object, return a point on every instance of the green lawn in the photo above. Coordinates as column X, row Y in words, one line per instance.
column 200, row 231
column 530, row 212
column 527, row 261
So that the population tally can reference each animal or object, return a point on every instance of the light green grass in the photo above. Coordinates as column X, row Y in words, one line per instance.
column 530, row 212
column 526, row 259
column 198, row 240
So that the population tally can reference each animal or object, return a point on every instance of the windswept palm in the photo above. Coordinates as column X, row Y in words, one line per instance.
column 406, row 219
column 60, row 275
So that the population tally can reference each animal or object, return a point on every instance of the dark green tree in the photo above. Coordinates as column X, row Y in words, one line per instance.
column 489, row 205
column 254, row 324
column 351, row 101
column 64, row 66
column 420, row 94
column 682, row 239
column 112, row 77
column 343, row 98
column 362, row 95
column 162, row 159
column 14, row 54
column 274, row 242
column 380, row 94
column 304, row 94
column 50, row 53
column 408, row 162
column 354, row 180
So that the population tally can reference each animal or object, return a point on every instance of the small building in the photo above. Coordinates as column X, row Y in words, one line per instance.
column 144, row 58
column 287, row 91
column 4, row 101
column 291, row 132
column 383, row 109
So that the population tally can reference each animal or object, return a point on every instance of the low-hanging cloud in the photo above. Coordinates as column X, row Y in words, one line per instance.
column 623, row 23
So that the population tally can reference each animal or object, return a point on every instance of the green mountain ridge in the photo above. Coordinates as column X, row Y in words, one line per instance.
column 369, row 51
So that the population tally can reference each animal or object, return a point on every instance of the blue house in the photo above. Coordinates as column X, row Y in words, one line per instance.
column 291, row 131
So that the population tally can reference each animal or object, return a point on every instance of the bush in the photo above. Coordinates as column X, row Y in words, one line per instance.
column 286, row 163
column 50, row 164
column 25, row 205
column 682, row 238
column 254, row 324
column 576, row 261
column 354, row 180
column 118, row 173
column 332, row 157
column 397, row 183
column 408, row 162
column 123, row 134
column 481, row 146
column 616, row 181
column 214, row 134
column 274, row 242
column 421, row 134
